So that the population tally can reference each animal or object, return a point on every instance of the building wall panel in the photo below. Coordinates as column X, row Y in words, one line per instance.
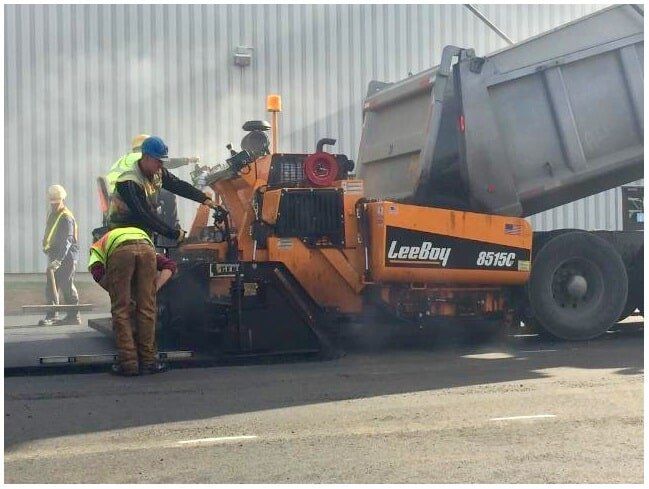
column 81, row 80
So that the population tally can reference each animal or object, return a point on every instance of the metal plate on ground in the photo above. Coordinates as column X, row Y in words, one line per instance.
column 24, row 346
column 102, row 325
column 61, row 307
column 108, row 358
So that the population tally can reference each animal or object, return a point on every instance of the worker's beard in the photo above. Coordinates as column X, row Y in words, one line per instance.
column 149, row 169
column 55, row 207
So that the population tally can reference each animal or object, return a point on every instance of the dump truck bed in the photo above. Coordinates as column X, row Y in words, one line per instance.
column 539, row 124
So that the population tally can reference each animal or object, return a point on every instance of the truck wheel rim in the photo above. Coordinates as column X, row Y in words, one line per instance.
column 577, row 284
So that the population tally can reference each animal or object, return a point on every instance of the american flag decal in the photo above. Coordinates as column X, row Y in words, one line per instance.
column 513, row 228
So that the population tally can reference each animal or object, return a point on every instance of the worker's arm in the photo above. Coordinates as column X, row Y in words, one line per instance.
column 167, row 268
column 98, row 272
column 133, row 196
column 173, row 163
column 162, row 278
column 177, row 186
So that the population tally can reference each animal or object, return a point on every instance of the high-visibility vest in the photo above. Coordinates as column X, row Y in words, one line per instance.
column 50, row 230
column 101, row 250
column 125, row 163
column 118, row 211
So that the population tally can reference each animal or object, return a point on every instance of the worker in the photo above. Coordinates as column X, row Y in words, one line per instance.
column 126, row 162
column 165, row 199
column 60, row 246
column 124, row 262
column 134, row 198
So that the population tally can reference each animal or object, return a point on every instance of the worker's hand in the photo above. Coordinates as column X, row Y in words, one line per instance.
column 210, row 203
column 181, row 236
column 103, row 282
column 193, row 159
column 162, row 278
column 54, row 265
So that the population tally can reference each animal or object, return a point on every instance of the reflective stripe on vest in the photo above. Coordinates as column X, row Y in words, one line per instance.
column 101, row 250
column 47, row 241
column 125, row 163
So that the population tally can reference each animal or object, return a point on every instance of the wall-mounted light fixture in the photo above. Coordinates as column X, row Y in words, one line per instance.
column 243, row 55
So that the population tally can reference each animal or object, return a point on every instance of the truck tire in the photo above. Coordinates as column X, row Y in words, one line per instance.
column 635, row 297
column 636, row 282
column 578, row 286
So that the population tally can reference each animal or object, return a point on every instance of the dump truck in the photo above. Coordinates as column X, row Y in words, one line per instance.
column 429, row 224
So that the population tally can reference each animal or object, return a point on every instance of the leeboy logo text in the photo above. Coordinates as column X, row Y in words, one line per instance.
column 425, row 252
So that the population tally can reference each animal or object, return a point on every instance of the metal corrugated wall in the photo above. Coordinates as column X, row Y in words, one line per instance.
column 81, row 80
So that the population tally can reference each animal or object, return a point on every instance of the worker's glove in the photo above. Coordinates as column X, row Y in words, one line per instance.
column 210, row 203
column 193, row 159
column 54, row 265
column 181, row 236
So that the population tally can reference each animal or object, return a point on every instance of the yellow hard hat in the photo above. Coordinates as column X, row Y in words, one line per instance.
column 56, row 194
column 137, row 141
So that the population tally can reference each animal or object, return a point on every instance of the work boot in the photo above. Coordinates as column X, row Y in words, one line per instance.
column 155, row 368
column 74, row 320
column 47, row 321
column 117, row 369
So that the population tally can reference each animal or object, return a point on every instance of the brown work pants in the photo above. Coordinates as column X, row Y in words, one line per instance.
column 131, row 273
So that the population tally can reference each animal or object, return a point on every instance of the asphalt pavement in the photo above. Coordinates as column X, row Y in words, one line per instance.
column 521, row 410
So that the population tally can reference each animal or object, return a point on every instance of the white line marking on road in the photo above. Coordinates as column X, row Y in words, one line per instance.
column 496, row 355
column 525, row 335
column 524, row 417
column 536, row 351
column 219, row 439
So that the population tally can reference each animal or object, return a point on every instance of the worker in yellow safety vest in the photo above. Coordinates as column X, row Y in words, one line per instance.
column 128, row 161
column 133, row 202
column 124, row 262
column 165, row 201
column 60, row 244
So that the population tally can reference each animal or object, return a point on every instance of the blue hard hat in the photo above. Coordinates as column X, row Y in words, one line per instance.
column 156, row 148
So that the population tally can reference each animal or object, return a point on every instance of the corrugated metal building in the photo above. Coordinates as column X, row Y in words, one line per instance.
column 81, row 80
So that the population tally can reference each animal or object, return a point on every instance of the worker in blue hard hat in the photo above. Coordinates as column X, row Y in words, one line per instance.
column 166, row 200
column 134, row 199
column 130, row 159
column 126, row 162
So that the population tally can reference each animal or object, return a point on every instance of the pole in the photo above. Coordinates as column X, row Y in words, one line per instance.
column 275, row 123
column 51, row 282
column 490, row 24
